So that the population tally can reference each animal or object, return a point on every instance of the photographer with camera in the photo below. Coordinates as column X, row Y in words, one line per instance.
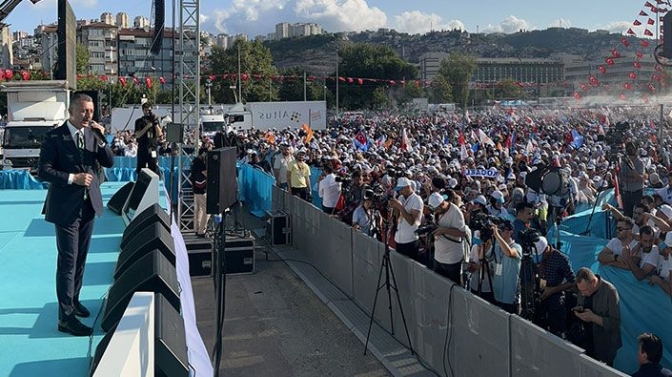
column 365, row 218
column 556, row 277
column 524, row 214
column 631, row 178
column 147, row 134
column 449, row 234
column 508, row 255
column 407, row 209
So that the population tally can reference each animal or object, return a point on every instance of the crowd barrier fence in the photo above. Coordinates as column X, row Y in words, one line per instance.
column 483, row 340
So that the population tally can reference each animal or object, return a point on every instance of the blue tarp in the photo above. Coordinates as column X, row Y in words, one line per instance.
column 19, row 180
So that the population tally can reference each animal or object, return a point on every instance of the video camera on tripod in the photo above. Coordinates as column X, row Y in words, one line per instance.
column 530, row 292
column 484, row 223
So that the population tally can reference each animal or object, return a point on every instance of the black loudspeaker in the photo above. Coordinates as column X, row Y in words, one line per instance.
column 154, row 237
column 222, row 183
column 117, row 201
column 95, row 95
column 159, row 20
column 151, row 273
column 100, row 349
column 174, row 133
column 170, row 345
column 149, row 216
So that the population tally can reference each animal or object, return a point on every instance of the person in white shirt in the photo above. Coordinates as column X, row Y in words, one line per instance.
column 448, row 237
column 624, row 238
column 329, row 190
column 664, row 277
column 666, row 192
column 645, row 251
column 280, row 166
column 407, row 208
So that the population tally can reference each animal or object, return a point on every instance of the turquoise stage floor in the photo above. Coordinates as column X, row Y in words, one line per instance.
column 29, row 342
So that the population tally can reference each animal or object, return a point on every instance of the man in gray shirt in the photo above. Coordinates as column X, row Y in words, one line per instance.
column 631, row 178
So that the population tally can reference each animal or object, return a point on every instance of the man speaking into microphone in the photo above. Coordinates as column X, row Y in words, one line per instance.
column 70, row 158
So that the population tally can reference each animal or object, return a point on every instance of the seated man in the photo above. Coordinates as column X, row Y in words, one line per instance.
column 624, row 237
column 664, row 278
column 645, row 251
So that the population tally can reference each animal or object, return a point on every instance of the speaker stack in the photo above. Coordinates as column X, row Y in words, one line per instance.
column 147, row 263
column 117, row 201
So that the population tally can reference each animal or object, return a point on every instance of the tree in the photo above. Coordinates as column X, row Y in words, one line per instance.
column 509, row 89
column 255, row 67
column 81, row 59
column 457, row 70
column 375, row 65
column 440, row 90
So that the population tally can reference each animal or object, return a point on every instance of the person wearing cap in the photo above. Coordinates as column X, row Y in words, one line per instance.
column 147, row 134
column 507, row 259
column 556, row 277
column 298, row 176
column 364, row 218
column 496, row 206
column 448, row 237
column 198, row 177
column 407, row 209
column 280, row 165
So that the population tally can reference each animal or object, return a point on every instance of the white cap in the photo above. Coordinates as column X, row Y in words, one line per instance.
column 497, row 195
column 401, row 183
column 434, row 201
column 541, row 244
column 480, row 200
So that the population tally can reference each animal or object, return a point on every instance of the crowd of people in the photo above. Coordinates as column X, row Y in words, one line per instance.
column 461, row 192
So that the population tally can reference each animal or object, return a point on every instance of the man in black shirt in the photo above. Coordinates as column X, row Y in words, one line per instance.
column 147, row 134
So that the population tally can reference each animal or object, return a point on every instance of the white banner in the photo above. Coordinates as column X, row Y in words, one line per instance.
column 481, row 173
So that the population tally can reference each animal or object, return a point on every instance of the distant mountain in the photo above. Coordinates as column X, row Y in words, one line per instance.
column 317, row 54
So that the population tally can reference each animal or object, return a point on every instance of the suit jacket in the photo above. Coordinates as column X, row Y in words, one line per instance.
column 60, row 157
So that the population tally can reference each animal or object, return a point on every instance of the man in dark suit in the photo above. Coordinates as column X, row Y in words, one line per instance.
column 70, row 159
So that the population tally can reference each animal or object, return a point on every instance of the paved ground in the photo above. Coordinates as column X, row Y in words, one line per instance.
column 276, row 326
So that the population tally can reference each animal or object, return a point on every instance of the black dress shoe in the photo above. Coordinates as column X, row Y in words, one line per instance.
column 81, row 310
column 75, row 328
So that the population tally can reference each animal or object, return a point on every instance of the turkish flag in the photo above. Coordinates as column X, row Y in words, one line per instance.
column 630, row 31
column 648, row 33
column 610, row 61
column 360, row 81
column 577, row 96
column 148, row 82
column 593, row 81
column 615, row 53
column 122, row 81
column 103, row 78
column 650, row 21
column 621, row 97
column 25, row 75
column 636, row 23
column 637, row 65
column 584, row 87
column 244, row 77
column 625, row 42
column 639, row 54
column 627, row 86
column 644, row 43
column 647, row 4
column 162, row 80
column 642, row 13
column 632, row 75
column 602, row 69
column 136, row 81
column 9, row 74
column 652, row 89
column 350, row 80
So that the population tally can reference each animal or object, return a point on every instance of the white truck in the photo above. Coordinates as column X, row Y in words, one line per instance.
column 267, row 115
column 33, row 108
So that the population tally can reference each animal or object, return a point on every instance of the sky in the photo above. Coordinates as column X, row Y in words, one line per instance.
column 258, row 17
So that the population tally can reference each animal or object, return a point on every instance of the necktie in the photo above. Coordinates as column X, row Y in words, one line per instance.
column 80, row 146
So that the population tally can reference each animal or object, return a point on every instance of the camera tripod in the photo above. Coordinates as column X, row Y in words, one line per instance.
column 528, row 287
column 386, row 265
column 484, row 270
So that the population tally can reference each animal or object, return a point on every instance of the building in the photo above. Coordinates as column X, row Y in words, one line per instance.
column 136, row 61
column 282, row 30
column 122, row 20
column 222, row 40
column 530, row 71
column 19, row 35
column 429, row 64
column 49, row 41
column 100, row 39
column 140, row 22
column 6, row 48
column 107, row 18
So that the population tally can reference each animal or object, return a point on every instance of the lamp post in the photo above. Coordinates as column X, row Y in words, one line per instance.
column 208, row 87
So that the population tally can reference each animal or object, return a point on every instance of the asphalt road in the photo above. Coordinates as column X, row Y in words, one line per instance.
column 276, row 326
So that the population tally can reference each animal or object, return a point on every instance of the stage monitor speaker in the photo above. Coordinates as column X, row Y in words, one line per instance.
column 117, row 201
column 159, row 21
column 145, row 193
column 151, row 273
column 154, row 237
column 151, row 215
column 222, row 183
column 170, row 345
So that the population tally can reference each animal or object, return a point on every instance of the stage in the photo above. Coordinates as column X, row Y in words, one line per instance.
column 31, row 344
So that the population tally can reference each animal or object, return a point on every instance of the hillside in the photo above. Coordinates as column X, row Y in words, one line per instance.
column 317, row 54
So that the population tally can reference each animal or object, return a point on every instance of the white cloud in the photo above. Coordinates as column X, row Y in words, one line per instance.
column 203, row 18
column 416, row 22
column 255, row 17
column 618, row 27
column 84, row 3
column 561, row 22
column 511, row 24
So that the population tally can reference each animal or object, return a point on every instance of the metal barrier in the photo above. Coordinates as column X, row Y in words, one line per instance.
column 482, row 339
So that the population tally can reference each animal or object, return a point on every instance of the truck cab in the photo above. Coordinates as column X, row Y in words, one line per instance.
column 211, row 122
column 238, row 118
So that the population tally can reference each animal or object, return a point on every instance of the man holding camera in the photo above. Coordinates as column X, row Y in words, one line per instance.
column 407, row 208
column 556, row 276
column 508, row 255
column 365, row 219
column 147, row 134
column 448, row 237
